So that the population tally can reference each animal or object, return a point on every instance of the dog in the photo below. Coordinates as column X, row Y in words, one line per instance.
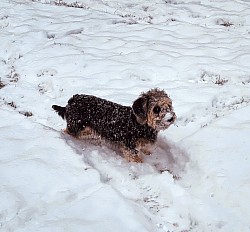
column 134, row 129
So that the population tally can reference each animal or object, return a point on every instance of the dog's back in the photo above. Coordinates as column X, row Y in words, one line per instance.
column 112, row 121
column 103, row 116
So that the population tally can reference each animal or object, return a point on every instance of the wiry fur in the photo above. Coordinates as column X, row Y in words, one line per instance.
column 131, row 128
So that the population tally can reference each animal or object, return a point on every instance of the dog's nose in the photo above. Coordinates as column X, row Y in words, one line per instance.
column 171, row 119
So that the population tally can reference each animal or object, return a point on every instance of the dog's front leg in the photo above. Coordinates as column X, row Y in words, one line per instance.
column 144, row 146
column 131, row 154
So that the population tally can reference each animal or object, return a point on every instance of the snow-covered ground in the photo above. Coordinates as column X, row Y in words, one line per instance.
column 198, row 178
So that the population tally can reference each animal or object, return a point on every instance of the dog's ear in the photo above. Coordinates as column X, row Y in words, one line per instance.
column 140, row 109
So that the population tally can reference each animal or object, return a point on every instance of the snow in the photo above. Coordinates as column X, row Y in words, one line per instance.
column 198, row 177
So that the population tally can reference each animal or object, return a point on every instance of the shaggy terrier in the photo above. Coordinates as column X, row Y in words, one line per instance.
column 133, row 129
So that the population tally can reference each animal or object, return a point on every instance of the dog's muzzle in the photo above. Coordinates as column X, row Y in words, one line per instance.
column 166, row 121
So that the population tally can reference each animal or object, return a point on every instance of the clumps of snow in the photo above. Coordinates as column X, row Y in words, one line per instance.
column 223, row 22
column 214, row 78
column 47, row 72
column 63, row 3
column 2, row 84
column 13, row 76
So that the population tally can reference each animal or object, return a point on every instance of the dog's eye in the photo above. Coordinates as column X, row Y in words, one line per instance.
column 157, row 110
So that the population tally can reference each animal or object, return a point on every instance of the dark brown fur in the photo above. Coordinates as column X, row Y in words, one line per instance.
column 131, row 128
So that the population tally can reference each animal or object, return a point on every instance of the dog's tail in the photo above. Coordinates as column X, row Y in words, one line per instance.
column 60, row 110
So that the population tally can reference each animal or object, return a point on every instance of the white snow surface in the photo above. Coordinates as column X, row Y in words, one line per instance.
column 198, row 177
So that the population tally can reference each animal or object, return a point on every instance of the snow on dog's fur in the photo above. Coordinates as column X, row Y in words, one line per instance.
column 134, row 129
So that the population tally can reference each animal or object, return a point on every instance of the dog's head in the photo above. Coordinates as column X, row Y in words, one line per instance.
column 154, row 108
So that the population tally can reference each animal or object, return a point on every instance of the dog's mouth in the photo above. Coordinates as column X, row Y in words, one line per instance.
column 166, row 121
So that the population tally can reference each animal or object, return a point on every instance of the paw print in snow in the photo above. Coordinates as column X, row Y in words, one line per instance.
column 47, row 72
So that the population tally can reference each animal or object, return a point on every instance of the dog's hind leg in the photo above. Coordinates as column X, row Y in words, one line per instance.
column 88, row 133
column 74, row 127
